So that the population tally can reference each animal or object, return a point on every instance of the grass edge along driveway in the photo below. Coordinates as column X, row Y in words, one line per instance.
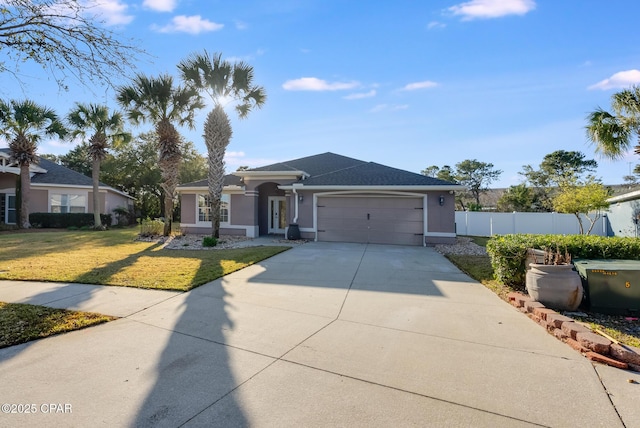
column 114, row 257
column 20, row 323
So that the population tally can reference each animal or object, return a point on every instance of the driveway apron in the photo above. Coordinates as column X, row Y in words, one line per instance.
column 325, row 334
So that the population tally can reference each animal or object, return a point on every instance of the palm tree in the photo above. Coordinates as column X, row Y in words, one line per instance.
column 223, row 82
column 106, row 129
column 612, row 133
column 24, row 123
column 157, row 100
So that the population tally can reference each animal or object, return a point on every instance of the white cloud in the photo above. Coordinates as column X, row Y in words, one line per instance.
column 487, row 9
column 360, row 95
column 435, row 25
column 112, row 12
column 386, row 107
column 315, row 84
column 241, row 25
column 233, row 160
column 189, row 24
column 621, row 79
column 160, row 5
column 420, row 85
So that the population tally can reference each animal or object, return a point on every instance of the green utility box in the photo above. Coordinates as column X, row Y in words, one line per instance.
column 611, row 286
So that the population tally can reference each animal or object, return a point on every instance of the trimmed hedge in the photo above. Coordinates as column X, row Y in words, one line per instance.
column 508, row 252
column 65, row 220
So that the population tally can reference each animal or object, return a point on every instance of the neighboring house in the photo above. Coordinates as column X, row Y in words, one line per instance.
column 624, row 214
column 54, row 189
column 331, row 198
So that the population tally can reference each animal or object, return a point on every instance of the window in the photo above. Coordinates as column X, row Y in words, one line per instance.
column 63, row 203
column 11, row 209
column 204, row 208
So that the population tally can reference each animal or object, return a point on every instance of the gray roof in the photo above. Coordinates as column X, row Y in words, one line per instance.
column 57, row 174
column 229, row 180
column 330, row 169
column 314, row 165
column 373, row 174
column 61, row 175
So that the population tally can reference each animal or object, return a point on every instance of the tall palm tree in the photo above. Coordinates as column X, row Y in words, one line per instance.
column 612, row 133
column 157, row 100
column 24, row 123
column 223, row 82
column 106, row 129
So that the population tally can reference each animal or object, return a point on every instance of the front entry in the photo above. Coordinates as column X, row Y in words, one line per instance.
column 277, row 214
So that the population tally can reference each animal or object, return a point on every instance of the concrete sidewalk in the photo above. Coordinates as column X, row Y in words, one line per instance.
column 321, row 335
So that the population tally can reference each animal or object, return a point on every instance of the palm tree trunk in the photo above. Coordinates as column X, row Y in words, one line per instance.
column 95, row 175
column 217, row 134
column 25, row 189
column 169, row 163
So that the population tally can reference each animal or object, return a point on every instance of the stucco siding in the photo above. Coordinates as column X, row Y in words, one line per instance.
column 39, row 201
column 441, row 218
column 188, row 208
column 244, row 209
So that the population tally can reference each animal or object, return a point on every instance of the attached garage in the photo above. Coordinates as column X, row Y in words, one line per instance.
column 371, row 219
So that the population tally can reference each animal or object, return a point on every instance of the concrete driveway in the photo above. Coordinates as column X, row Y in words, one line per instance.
column 321, row 335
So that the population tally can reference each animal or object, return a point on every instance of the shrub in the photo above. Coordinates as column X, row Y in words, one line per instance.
column 66, row 220
column 508, row 252
column 209, row 241
column 150, row 227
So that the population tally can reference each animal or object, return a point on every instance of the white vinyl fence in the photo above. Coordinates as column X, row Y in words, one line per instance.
column 476, row 223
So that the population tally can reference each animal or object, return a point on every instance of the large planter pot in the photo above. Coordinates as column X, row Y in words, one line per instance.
column 555, row 286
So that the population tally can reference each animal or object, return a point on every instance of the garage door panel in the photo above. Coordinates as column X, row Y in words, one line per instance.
column 381, row 220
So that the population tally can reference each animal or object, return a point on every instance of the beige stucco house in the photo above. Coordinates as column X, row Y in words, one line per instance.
column 328, row 197
column 54, row 188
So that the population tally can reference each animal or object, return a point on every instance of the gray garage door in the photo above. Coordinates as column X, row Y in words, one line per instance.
column 375, row 220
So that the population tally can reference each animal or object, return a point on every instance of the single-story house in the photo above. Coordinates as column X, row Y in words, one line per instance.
column 328, row 197
column 623, row 214
column 55, row 189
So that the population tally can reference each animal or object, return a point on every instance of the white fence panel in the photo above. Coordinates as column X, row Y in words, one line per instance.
column 477, row 223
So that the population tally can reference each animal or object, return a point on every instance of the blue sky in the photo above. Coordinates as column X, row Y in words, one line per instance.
column 403, row 83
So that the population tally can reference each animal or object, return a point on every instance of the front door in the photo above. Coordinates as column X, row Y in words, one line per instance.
column 277, row 214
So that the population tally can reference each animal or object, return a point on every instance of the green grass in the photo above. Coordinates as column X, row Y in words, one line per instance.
column 22, row 323
column 114, row 257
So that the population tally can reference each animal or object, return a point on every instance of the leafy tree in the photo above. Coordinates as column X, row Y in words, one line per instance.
column 77, row 159
column 613, row 133
column 583, row 199
column 557, row 169
column 517, row 198
column 430, row 171
column 476, row 176
column 24, row 123
column 222, row 81
column 157, row 100
column 106, row 129
column 65, row 37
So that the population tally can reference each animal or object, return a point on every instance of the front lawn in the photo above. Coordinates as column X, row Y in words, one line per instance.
column 21, row 323
column 114, row 257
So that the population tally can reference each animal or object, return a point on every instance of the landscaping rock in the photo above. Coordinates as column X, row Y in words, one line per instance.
column 594, row 342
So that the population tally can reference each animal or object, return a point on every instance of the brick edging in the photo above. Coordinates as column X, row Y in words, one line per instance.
column 581, row 338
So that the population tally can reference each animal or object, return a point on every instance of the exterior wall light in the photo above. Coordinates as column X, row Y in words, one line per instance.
column 300, row 198
column 441, row 200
